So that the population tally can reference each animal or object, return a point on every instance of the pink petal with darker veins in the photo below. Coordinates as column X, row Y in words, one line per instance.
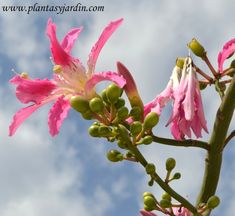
column 57, row 114
column 28, row 90
column 21, row 116
column 69, row 39
column 109, row 76
column 228, row 50
column 95, row 51
column 60, row 57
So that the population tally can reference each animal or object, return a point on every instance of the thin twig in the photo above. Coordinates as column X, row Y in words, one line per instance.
column 231, row 135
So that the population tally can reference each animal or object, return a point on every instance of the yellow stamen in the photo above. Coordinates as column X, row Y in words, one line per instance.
column 24, row 75
column 57, row 68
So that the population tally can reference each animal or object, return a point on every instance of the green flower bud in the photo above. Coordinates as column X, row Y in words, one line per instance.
column 79, row 103
column 197, row 48
column 147, row 194
column 147, row 208
column 94, row 130
column 121, row 144
column 151, row 120
column 114, row 156
column 123, row 134
column 170, row 164
column 177, row 175
column 88, row 115
column 113, row 92
column 202, row 85
column 164, row 203
column 135, row 113
column 180, row 62
column 122, row 113
column 136, row 128
column 129, row 155
column 104, row 96
column 232, row 65
column 213, row 202
column 105, row 131
column 166, row 196
column 150, row 168
column 150, row 202
column 120, row 103
column 96, row 105
column 147, row 140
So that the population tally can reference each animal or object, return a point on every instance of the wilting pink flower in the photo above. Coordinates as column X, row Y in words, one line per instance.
column 70, row 78
column 188, row 114
column 147, row 213
column 228, row 50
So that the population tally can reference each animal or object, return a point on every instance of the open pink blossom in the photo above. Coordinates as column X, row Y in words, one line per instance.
column 188, row 114
column 146, row 213
column 70, row 78
column 228, row 50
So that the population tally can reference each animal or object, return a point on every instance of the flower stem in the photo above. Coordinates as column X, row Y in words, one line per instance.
column 160, row 182
column 184, row 143
column 207, row 61
column 216, row 142
column 198, row 70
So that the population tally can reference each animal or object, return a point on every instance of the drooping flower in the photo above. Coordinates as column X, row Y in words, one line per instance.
column 227, row 51
column 146, row 213
column 70, row 78
column 188, row 114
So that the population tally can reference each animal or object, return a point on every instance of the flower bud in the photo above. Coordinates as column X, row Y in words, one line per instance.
column 104, row 96
column 120, row 103
column 170, row 164
column 122, row 113
column 114, row 156
column 164, row 203
column 121, row 144
column 105, row 131
column 150, row 202
column 150, row 168
column 197, row 48
column 147, row 140
column 147, row 194
column 88, row 115
column 136, row 113
column 166, row 196
column 180, row 62
column 96, row 105
column 213, row 202
column 177, row 175
column 79, row 103
column 232, row 65
column 123, row 133
column 147, row 208
column 151, row 120
column 136, row 128
column 94, row 130
column 113, row 92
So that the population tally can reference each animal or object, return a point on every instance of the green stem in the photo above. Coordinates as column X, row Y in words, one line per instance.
column 216, row 142
column 160, row 182
column 184, row 143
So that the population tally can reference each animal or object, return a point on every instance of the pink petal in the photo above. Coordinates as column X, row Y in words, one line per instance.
column 69, row 39
column 60, row 57
column 32, row 90
column 98, row 77
column 175, row 131
column 181, row 211
column 228, row 50
column 107, row 32
column 21, row 116
column 147, row 213
column 130, row 87
column 57, row 114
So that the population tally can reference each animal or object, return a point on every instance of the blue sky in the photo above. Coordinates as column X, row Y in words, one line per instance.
column 69, row 174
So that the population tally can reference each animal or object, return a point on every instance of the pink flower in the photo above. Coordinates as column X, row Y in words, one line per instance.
column 228, row 50
column 70, row 78
column 146, row 213
column 181, row 212
column 188, row 114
